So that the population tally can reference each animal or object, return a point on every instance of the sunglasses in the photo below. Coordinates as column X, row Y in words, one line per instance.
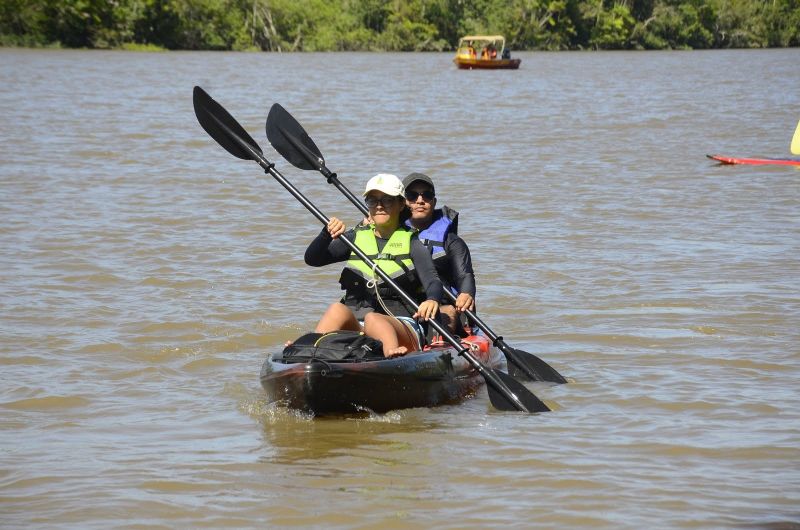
column 386, row 201
column 427, row 195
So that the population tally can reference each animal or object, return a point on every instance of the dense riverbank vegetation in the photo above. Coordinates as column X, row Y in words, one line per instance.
column 398, row 25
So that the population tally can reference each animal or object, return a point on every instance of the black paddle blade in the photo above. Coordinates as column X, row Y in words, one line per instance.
column 223, row 127
column 290, row 139
column 502, row 402
column 528, row 367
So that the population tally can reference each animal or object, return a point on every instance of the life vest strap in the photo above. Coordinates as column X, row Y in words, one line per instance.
column 391, row 257
column 432, row 243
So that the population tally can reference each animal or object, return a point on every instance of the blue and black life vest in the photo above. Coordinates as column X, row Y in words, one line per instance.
column 445, row 221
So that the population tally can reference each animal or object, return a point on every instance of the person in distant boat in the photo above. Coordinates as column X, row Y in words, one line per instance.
column 471, row 50
column 438, row 231
column 492, row 51
column 485, row 53
column 394, row 248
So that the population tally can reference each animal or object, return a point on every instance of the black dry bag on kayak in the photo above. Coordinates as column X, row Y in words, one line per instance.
column 334, row 346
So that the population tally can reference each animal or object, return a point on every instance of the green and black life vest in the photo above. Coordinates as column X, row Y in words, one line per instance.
column 394, row 259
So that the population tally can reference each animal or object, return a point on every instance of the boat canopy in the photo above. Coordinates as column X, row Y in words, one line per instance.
column 483, row 38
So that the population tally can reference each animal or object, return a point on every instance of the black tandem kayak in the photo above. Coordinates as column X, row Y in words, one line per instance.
column 435, row 376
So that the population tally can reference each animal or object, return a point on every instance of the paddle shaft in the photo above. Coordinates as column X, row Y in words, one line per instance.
column 489, row 375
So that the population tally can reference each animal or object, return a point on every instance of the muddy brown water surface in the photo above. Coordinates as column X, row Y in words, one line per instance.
column 145, row 274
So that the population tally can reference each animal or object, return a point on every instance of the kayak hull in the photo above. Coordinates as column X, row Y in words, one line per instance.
column 756, row 161
column 434, row 377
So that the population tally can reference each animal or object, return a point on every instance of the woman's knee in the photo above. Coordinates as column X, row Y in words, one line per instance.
column 373, row 318
column 337, row 316
column 336, row 307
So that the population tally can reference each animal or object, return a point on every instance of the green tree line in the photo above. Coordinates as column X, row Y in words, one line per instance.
column 398, row 25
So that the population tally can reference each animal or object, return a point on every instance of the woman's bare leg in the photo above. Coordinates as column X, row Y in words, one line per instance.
column 337, row 316
column 397, row 339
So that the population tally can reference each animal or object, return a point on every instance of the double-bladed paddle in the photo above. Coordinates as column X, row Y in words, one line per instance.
column 505, row 393
column 289, row 138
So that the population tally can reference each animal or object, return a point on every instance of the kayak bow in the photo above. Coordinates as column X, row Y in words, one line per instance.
column 756, row 161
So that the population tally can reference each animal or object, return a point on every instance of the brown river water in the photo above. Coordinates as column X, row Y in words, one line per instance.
column 145, row 274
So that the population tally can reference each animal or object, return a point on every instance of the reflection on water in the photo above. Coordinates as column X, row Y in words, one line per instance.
column 293, row 436
column 146, row 274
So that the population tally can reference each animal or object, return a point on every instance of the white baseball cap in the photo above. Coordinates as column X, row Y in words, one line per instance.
column 385, row 182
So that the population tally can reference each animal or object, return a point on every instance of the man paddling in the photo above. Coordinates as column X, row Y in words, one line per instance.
column 438, row 231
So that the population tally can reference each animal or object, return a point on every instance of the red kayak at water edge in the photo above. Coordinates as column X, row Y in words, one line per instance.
column 756, row 161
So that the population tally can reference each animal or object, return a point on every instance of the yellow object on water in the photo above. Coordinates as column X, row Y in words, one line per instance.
column 796, row 140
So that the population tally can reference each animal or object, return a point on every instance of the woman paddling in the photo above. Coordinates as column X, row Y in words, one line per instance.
column 396, row 250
